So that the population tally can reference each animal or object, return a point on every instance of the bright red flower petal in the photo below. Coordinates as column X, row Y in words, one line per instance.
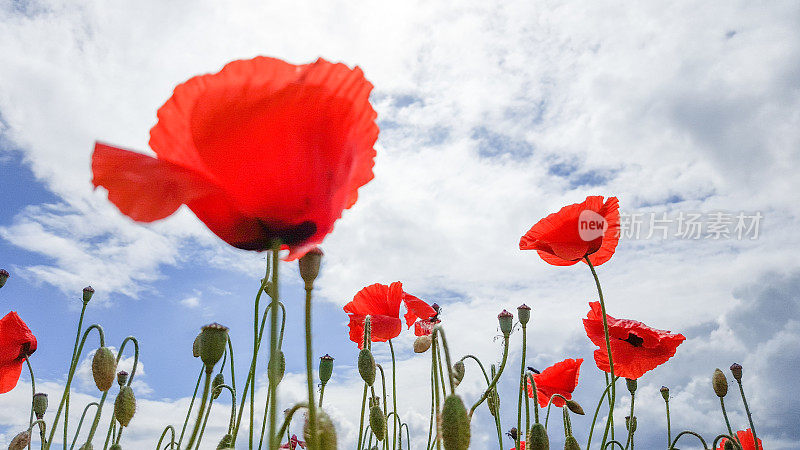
column 521, row 445
column 382, row 328
column 560, row 378
column 747, row 440
column 424, row 327
column 16, row 343
column 583, row 229
column 261, row 150
column 416, row 309
column 636, row 347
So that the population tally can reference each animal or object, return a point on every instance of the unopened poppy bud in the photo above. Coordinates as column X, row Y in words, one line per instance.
column 325, row 432
column 575, row 407
column 665, row 393
column 20, row 441
column 537, row 438
column 377, row 421
column 366, row 366
column 720, row 383
column 506, row 322
column 736, row 370
column 454, row 424
column 39, row 404
column 571, row 443
column 225, row 442
column 88, row 292
column 632, row 384
column 493, row 402
column 213, row 338
column 309, row 266
column 422, row 344
column 125, row 405
column 104, row 368
column 630, row 423
column 458, row 372
column 524, row 314
column 218, row 381
column 122, row 377
column 277, row 367
column 3, row 277
column 325, row 368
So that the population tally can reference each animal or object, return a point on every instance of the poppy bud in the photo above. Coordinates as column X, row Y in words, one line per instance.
column 422, row 344
column 213, row 338
column 219, row 380
column 225, row 442
column 122, row 377
column 325, row 368
column 104, row 367
column 3, row 277
column 87, row 446
column 377, row 421
column 571, row 443
column 720, row 383
column 115, row 447
column 309, row 266
column 277, row 367
column 736, row 370
column 493, row 402
column 124, row 405
column 20, row 441
column 506, row 322
column 366, row 366
column 454, row 424
column 39, row 404
column 458, row 372
column 537, row 438
column 665, row 393
column 325, row 432
column 88, row 292
column 196, row 346
column 630, row 423
column 524, row 314
column 575, row 407
column 632, row 384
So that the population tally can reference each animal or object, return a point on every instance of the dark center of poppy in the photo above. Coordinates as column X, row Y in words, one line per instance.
column 634, row 340
column 293, row 235
column 25, row 351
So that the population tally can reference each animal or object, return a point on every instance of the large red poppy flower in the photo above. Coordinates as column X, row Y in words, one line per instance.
column 583, row 229
column 382, row 304
column 746, row 438
column 16, row 343
column 560, row 378
column 636, row 347
column 261, row 150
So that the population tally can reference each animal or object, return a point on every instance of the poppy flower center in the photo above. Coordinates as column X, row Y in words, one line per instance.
column 25, row 351
column 634, row 340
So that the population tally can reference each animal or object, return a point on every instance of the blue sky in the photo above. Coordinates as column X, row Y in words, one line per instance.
column 491, row 116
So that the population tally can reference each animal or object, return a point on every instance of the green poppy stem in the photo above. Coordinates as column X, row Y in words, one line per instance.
column 312, row 412
column 191, row 403
column 521, row 385
column 749, row 416
column 200, row 410
column 394, row 396
column 682, row 433
column 596, row 411
column 274, row 347
column 361, row 422
column 669, row 424
column 495, row 378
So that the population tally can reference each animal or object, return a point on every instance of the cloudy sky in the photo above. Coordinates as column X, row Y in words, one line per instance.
column 492, row 115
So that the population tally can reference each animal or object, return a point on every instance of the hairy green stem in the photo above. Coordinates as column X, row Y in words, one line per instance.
column 200, row 410
column 394, row 396
column 596, row 411
column 521, row 384
column 496, row 377
column 749, row 416
column 312, row 412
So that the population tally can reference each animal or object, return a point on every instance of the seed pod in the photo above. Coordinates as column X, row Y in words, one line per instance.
column 104, row 368
column 325, row 431
column 571, row 443
column 493, row 402
column 506, row 320
column 277, row 367
column 309, row 266
column 524, row 313
column 366, row 366
column 422, row 344
column 88, row 292
column 225, row 442
column 219, row 380
column 454, row 424
column 736, row 370
column 325, row 368
column 665, row 393
column 3, row 277
column 632, row 384
column 377, row 421
column 39, row 404
column 122, row 377
column 20, row 441
column 213, row 339
column 458, row 372
column 719, row 383
column 537, row 438
column 125, row 405
column 575, row 407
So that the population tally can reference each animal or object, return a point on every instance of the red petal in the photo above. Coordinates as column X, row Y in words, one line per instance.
column 376, row 300
column 560, row 378
column 9, row 376
column 382, row 328
column 610, row 211
column 424, row 327
column 16, row 339
column 417, row 309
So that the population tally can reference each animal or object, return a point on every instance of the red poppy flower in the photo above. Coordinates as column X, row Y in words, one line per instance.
column 746, row 438
column 583, row 229
column 16, row 343
column 636, row 347
column 382, row 304
column 261, row 150
column 560, row 378
column 294, row 443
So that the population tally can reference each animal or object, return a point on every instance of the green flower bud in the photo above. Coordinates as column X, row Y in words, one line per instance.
column 506, row 322
column 719, row 383
column 493, row 402
column 218, row 381
column 122, row 377
column 377, row 421
column 20, row 441
column 458, row 372
column 575, row 407
column 325, row 368
column 213, row 339
column 454, row 424
column 736, row 370
column 225, row 442
column 309, row 266
column 124, row 405
column 325, row 432
column 524, row 314
column 39, row 404
column 571, row 443
column 277, row 367
column 665, row 393
column 366, row 366
column 104, row 368
column 537, row 438
column 632, row 384
column 88, row 292
column 3, row 277
column 422, row 344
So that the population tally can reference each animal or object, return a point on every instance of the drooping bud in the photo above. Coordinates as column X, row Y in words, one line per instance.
column 325, row 368
column 377, row 421
column 20, row 441
column 524, row 314
column 125, row 405
column 39, row 404
column 366, row 366
column 458, row 372
column 104, row 368
column 3, row 277
column 196, row 346
column 493, row 402
column 665, row 393
column 720, row 383
column 736, row 370
column 506, row 322
column 225, row 442
column 218, row 381
column 122, row 377
column 213, row 339
column 325, row 432
column 277, row 367
column 575, row 407
column 422, row 344
column 630, row 423
column 309, row 266
column 537, row 438
column 455, row 430
column 571, row 443
column 88, row 292
column 632, row 384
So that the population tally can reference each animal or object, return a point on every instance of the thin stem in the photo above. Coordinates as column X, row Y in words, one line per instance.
column 728, row 437
column 312, row 412
column 434, row 346
column 33, row 394
column 289, row 414
column 200, row 410
column 321, row 394
column 191, row 403
column 725, row 415
column 547, row 416
column 536, row 403
column 478, row 361
column 361, row 422
column 80, row 423
column 438, row 329
column 669, row 425
column 430, row 422
column 630, row 424
column 675, row 441
column 496, row 377
column 521, row 384
column 749, row 416
column 608, row 339
column 394, row 396
column 163, row 434
column 596, row 411
column 274, row 346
